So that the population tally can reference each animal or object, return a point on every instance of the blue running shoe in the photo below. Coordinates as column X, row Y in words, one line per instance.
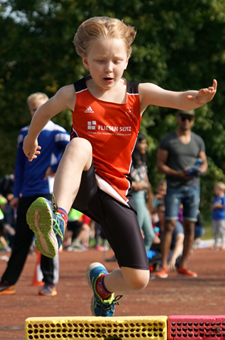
column 47, row 225
column 100, row 307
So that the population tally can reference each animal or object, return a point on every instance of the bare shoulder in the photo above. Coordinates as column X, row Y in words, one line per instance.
column 67, row 94
column 148, row 89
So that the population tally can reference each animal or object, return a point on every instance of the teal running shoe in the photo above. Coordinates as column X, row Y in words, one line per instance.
column 48, row 227
column 100, row 307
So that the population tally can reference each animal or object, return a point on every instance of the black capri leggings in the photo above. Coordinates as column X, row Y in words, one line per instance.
column 118, row 221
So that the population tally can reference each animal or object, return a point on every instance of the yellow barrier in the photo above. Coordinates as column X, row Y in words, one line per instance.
column 104, row 328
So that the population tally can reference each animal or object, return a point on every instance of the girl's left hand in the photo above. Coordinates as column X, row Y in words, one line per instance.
column 204, row 95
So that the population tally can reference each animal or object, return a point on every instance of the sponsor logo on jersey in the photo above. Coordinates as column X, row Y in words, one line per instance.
column 89, row 110
column 94, row 127
column 91, row 125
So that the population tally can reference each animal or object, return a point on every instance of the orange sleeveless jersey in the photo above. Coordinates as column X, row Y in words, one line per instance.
column 112, row 130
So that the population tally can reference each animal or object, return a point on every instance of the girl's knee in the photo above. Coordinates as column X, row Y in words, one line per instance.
column 80, row 148
column 138, row 280
column 81, row 144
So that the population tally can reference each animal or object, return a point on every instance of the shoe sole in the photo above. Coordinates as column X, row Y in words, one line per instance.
column 162, row 277
column 8, row 291
column 87, row 274
column 187, row 275
column 54, row 293
column 39, row 219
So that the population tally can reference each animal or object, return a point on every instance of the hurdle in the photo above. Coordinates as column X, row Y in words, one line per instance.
column 198, row 327
column 87, row 328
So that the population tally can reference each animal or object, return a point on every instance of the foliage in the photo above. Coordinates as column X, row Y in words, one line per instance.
column 179, row 45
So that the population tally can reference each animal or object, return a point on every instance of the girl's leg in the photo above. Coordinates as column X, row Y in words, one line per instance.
column 122, row 230
column 126, row 279
column 76, row 159
column 48, row 222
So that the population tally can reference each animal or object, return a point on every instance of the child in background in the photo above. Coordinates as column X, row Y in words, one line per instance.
column 160, row 193
column 158, row 199
column 93, row 175
column 141, row 191
column 218, row 214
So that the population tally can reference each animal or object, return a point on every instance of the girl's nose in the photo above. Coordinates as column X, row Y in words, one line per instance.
column 109, row 66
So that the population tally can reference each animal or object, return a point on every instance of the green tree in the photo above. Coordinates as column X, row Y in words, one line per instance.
column 179, row 45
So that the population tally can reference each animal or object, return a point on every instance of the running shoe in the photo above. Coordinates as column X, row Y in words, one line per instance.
column 99, row 247
column 186, row 272
column 76, row 246
column 48, row 290
column 6, row 249
column 47, row 225
column 7, row 289
column 111, row 259
column 100, row 307
column 162, row 273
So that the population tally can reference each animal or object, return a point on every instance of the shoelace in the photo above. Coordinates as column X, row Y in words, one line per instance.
column 114, row 302
column 56, row 226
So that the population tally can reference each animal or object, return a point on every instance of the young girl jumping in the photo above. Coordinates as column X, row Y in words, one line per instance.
column 93, row 175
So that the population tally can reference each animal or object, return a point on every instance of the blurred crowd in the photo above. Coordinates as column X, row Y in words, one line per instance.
column 169, row 218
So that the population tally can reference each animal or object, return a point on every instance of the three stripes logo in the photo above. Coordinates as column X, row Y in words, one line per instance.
column 89, row 110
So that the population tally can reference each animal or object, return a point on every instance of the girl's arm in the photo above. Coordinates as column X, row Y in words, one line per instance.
column 151, row 94
column 63, row 99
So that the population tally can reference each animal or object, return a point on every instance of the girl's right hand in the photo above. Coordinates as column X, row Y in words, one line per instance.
column 31, row 148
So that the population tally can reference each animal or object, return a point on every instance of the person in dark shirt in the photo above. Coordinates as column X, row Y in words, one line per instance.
column 181, row 157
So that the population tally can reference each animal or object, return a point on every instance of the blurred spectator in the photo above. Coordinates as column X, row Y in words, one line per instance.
column 100, row 238
column 179, row 156
column 199, row 226
column 199, row 229
column 6, row 189
column 141, row 190
column 77, row 232
column 5, row 247
column 218, row 214
column 160, row 193
column 34, row 179
column 177, row 240
column 158, row 198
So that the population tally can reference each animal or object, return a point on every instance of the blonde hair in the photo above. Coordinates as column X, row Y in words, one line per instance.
column 161, row 183
column 220, row 186
column 36, row 97
column 102, row 28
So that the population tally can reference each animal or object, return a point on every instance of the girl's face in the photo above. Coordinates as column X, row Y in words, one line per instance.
column 143, row 146
column 106, row 61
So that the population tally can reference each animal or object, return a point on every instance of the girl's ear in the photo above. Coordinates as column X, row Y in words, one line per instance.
column 85, row 62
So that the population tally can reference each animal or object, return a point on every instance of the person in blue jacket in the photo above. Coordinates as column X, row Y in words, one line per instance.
column 34, row 179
